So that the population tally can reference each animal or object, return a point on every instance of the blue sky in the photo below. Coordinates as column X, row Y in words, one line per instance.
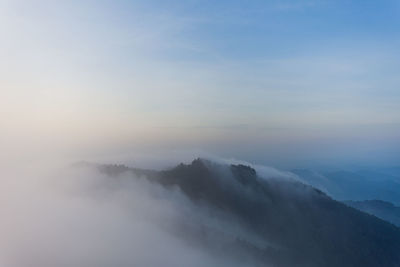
column 266, row 81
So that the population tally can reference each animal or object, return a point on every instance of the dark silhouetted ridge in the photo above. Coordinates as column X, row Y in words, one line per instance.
column 307, row 227
column 381, row 209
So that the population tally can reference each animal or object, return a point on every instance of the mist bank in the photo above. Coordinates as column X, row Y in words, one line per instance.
column 204, row 213
column 79, row 217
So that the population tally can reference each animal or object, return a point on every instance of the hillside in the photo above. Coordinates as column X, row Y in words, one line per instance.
column 381, row 209
column 285, row 223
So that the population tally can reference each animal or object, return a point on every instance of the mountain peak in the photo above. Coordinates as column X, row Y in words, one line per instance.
column 245, row 174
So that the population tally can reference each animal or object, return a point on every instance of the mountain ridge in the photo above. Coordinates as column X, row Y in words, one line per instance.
column 382, row 209
column 312, row 228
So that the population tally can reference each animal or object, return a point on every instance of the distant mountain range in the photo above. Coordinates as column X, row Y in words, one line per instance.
column 381, row 209
column 382, row 184
column 279, row 221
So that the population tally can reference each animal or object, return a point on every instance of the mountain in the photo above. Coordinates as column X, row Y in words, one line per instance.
column 274, row 221
column 383, row 184
column 381, row 209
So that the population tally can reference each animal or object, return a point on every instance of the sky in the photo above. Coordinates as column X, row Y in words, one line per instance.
column 284, row 83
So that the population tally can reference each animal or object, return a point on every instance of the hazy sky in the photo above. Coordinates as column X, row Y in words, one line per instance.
column 279, row 82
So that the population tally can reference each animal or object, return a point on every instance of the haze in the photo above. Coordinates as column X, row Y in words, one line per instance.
column 286, row 83
column 199, row 133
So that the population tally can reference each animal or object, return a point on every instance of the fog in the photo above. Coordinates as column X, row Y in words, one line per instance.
column 78, row 217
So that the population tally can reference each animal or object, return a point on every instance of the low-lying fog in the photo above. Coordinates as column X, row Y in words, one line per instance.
column 78, row 217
